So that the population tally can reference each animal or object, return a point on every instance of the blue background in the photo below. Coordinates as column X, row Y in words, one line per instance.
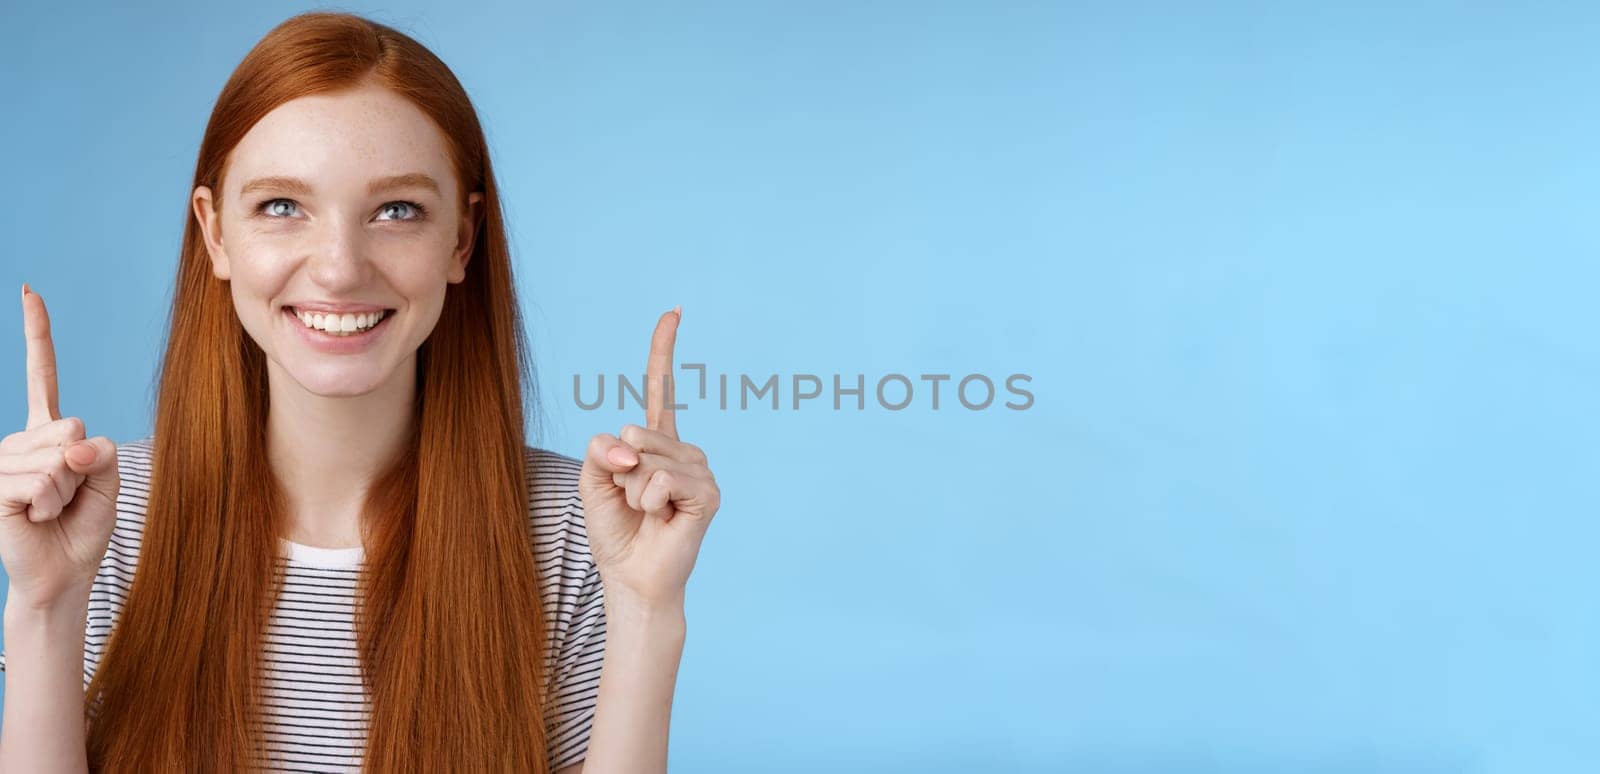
column 1306, row 294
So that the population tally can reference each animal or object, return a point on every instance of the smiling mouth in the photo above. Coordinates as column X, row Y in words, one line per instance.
column 383, row 319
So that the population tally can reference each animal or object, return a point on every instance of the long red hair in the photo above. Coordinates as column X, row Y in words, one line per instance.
column 450, row 625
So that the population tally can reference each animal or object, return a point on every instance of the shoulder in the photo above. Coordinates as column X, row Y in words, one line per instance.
column 555, row 508
column 114, row 578
column 554, row 501
column 573, row 597
column 135, row 462
column 551, row 472
column 567, row 570
column 552, row 486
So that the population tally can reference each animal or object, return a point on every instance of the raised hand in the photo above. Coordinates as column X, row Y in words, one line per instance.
column 647, row 496
column 58, row 490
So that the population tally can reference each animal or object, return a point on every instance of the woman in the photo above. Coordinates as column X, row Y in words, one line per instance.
column 346, row 556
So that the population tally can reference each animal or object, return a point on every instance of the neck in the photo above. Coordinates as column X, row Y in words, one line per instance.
column 326, row 451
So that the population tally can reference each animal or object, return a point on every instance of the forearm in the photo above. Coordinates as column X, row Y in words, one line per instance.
column 43, row 727
column 644, row 645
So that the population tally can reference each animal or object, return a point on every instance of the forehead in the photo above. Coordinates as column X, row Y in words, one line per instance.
column 337, row 142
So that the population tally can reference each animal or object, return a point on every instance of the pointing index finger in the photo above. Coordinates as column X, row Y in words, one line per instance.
column 42, row 402
column 658, row 372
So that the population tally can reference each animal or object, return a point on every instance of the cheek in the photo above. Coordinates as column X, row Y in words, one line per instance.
column 419, row 265
column 416, row 265
column 431, row 248
column 258, row 268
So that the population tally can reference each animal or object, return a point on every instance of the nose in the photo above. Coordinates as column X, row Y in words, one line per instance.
column 338, row 257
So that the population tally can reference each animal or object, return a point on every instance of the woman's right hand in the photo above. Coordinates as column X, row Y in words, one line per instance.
column 58, row 490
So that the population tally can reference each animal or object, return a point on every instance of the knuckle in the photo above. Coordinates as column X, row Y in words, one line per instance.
column 74, row 427
column 38, row 485
column 597, row 447
column 114, row 469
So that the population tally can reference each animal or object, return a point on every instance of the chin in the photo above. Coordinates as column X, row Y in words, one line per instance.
column 339, row 392
column 338, row 382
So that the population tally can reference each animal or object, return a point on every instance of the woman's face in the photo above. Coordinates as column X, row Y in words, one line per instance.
column 339, row 204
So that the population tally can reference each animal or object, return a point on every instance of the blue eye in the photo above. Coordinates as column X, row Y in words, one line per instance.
column 268, row 203
column 269, row 209
column 413, row 205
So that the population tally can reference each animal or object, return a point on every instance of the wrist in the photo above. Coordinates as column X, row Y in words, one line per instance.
column 69, row 604
column 625, row 607
column 34, row 631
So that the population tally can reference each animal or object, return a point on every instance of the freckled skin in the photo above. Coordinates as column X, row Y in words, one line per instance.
column 339, row 243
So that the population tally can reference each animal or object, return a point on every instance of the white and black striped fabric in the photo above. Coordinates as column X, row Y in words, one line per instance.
column 316, row 710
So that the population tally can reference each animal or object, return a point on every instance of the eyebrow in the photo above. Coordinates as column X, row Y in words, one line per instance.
column 298, row 187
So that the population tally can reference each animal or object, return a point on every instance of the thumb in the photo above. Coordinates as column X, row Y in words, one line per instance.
column 96, row 460
column 607, row 454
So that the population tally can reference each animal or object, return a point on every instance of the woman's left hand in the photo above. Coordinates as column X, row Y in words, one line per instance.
column 647, row 496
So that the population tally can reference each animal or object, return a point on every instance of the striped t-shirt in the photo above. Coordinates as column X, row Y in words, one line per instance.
column 316, row 709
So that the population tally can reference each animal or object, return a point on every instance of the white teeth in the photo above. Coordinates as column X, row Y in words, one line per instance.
column 339, row 324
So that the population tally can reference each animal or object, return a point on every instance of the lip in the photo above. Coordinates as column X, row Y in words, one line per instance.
column 338, row 345
column 325, row 308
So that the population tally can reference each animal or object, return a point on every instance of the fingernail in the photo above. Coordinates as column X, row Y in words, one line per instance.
column 678, row 310
column 24, row 289
column 622, row 455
